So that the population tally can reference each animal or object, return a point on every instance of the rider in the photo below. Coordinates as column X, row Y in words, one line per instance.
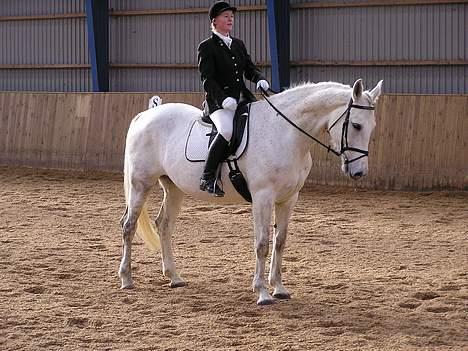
column 222, row 62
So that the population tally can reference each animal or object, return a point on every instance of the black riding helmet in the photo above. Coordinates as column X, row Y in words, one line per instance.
column 218, row 7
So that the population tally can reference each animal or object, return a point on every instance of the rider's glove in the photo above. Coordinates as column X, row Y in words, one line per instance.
column 263, row 84
column 229, row 103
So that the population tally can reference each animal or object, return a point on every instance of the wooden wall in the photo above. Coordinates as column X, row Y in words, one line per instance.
column 71, row 130
column 420, row 142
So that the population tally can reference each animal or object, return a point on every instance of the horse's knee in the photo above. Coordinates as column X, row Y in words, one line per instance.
column 280, row 242
column 261, row 248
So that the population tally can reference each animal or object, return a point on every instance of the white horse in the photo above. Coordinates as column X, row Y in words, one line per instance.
column 275, row 165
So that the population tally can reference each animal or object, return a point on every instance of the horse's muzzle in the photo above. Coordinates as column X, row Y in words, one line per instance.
column 353, row 174
column 356, row 175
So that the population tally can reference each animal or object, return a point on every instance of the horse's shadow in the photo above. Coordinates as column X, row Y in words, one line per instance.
column 365, row 319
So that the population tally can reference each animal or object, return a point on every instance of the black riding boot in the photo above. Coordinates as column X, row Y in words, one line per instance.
column 216, row 154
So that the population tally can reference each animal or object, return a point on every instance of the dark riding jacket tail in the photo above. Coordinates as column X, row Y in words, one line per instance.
column 223, row 70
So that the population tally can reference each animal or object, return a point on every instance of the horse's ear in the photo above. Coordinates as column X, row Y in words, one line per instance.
column 358, row 88
column 375, row 93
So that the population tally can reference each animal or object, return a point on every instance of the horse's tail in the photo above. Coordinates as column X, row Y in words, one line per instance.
column 145, row 229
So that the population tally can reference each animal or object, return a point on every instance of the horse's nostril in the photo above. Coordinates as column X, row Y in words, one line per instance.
column 357, row 175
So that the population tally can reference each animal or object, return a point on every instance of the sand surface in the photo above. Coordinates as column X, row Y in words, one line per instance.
column 367, row 270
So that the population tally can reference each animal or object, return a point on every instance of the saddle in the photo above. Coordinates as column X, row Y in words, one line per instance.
column 196, row 146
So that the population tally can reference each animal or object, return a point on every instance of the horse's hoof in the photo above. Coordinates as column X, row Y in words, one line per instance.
column 282, row 296
column 127, row 286
column 177, row 284
column 265, row 302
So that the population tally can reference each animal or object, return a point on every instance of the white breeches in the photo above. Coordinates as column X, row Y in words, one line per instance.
column 223, row 120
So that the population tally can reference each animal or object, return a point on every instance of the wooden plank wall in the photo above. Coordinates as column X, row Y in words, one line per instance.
column 420, row 142
column 71, row 130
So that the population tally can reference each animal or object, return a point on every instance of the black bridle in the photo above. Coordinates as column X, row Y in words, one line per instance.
column 344, row 130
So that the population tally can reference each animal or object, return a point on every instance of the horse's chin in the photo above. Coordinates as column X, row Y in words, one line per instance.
column 345, row 169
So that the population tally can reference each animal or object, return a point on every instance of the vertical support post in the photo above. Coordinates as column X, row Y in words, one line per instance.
column 278, row 27
column 97, row 19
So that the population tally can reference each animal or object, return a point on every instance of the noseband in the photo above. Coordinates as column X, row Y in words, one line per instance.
column 344, row 130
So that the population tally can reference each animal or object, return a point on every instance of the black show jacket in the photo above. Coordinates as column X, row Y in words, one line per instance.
column 222, row 70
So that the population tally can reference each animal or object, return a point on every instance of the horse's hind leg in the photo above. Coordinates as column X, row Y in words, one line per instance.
column 282, row 214
column 165, row 223
column 136, row 198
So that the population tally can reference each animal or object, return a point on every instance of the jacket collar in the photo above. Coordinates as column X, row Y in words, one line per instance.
column 225, row 38
column 221, row 43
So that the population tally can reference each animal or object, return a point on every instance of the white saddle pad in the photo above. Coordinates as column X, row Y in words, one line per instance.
column 196, row 147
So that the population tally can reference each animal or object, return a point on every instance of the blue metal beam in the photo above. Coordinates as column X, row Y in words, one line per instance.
column 97, row 18
column 278, row 26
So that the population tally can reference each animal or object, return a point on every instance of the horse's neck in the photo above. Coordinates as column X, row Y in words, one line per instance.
column 310, row 106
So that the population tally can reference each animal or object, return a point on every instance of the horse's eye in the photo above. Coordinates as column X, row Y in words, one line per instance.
column 356, row 126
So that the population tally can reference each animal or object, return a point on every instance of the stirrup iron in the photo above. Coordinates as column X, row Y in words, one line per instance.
column 211, row 186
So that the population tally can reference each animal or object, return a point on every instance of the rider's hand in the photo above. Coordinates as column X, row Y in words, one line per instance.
column 230, row 103
column 263, row 84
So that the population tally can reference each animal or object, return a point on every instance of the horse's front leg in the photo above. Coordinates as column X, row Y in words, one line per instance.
column 261, row 209
column 282, row 214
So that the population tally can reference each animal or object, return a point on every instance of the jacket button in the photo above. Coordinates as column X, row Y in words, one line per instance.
column 233, row 57
column 237, row 79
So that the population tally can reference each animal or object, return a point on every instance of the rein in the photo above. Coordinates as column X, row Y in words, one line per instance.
column 344, row 130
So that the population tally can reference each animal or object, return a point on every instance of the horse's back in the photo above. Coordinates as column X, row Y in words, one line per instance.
column 166, row 114
column 160, row 122
column 159, row 133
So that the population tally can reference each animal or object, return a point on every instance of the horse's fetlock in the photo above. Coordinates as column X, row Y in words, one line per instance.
column 258, row 285
column 123, row 271
column 166, row 271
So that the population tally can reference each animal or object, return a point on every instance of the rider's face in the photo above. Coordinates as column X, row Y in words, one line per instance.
column 224, row 21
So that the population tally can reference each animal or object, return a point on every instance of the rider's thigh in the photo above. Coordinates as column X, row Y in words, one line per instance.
column 223, row 121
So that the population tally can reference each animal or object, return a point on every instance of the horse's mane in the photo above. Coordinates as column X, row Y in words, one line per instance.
column 327, row 90
column 302, row 85
column 323, row 85
column 325, row 93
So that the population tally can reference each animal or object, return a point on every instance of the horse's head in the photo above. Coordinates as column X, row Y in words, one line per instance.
column 350, row 133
